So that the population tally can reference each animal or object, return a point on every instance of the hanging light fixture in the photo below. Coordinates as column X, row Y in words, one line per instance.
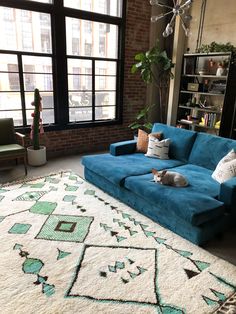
column 179, row 8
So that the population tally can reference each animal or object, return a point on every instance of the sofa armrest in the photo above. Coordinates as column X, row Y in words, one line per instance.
column 123, row 148
column 21, row 138
column 228, row 193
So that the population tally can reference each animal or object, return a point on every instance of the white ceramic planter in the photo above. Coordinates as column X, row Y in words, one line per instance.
column 36, row 157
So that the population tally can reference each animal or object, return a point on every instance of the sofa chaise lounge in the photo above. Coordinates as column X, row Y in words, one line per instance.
column 197, row 212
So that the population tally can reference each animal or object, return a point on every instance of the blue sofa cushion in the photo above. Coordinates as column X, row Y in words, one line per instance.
column 208, row 150
column 117, row 168
column 228, row 193
column 189, row 203
column 200, row 179
column 181, row 141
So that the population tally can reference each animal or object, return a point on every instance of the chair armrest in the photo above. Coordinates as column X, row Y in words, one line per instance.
column 21, row 138
column 123, row 148
column 228, row 193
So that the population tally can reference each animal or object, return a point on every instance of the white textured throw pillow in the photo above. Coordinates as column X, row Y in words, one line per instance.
column 226, row 168
column 158, row 149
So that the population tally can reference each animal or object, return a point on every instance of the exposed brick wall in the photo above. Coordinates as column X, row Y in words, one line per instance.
column 98, row 138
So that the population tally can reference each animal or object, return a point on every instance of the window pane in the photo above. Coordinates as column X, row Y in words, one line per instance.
column 37, row 64
column 16, row 115
column 25, row 30
column 82, row 99
column 103, row 113
column 105, row 67
column 10, row 101
column 47, row 116
column 96, row 40
column 80, row 82
column 41, row 81
column 9, row 82
column 105, row 99
column 105, row 83
column 47, row 100
column 107, row 7
column 8, row 63
column 80, row 114
column 78, row 66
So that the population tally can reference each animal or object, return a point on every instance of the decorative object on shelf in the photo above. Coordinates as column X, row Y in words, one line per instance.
column 220, row 69
column 193, row 87
column 178, row 9
column 36, row 153
column 155, row 67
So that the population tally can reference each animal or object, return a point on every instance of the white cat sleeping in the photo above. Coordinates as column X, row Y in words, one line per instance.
column 169, row 178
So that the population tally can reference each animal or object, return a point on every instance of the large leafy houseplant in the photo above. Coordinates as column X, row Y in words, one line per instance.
column 154, row 67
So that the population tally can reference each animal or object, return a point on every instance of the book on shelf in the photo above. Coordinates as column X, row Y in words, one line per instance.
column 186, row 121
column 210, row 119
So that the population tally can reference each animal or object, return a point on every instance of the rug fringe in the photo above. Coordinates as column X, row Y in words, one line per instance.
column 34, row 178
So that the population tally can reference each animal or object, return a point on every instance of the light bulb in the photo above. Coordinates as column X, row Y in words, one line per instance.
column 164, row 34
column 155, row 18
column 168, row 31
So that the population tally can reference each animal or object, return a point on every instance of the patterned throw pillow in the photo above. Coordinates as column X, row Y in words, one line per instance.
column 226, row 168
column 142, row 142
column 158, row 149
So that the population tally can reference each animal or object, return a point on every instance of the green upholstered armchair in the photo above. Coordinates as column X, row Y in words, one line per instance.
column 9, row 148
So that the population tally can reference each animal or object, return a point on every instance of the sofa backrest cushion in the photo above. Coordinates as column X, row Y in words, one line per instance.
column 181, row 141
column 209, row 149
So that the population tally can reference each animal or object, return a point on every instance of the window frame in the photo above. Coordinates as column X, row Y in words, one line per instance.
column 59, row 59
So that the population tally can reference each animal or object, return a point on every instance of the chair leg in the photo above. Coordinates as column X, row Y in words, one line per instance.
column 25, row 164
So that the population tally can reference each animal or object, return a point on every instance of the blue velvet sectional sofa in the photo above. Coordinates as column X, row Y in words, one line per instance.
column 197, row 212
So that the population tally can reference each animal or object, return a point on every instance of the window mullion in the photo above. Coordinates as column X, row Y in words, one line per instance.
column 60, row 63
column 22, row 89
column 93, row 90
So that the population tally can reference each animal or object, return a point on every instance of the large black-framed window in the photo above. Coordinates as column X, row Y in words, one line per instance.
column 76, row 61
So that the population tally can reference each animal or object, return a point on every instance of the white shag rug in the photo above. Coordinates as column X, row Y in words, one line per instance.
column 67, row 247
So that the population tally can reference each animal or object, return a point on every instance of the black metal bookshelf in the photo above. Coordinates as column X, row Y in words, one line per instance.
column 208, row 93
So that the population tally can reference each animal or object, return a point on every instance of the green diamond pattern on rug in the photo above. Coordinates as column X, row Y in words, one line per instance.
column 89, row 192
column 52, row 180
column 71, row 188
column 73, row 177
column 65, row 228
column 19, row 228
column 69, row 198
column 43, row 208
column 31, row 196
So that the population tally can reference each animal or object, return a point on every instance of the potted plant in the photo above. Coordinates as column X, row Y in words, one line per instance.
column 141, row 121
column 155, row 67
column 36, row 153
